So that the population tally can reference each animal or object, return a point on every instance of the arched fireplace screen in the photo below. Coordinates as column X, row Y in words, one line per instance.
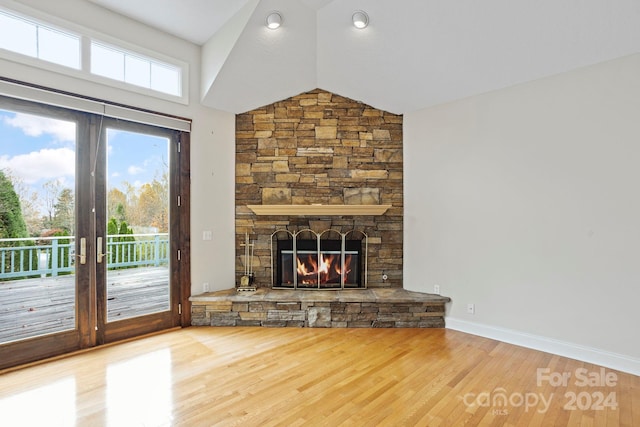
column 328, row 260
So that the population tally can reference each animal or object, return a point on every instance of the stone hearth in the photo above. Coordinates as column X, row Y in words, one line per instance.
column 370, row 308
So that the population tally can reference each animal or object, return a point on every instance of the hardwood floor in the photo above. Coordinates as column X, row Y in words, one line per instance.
column 203, row 376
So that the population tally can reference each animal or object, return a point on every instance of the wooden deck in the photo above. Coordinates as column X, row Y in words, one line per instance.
column 34, row 307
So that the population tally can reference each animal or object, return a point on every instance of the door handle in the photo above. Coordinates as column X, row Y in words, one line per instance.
column 100, row 253
column 83, row 250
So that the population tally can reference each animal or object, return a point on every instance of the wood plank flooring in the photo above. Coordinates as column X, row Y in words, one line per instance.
column 34, row 307
column 204, row 376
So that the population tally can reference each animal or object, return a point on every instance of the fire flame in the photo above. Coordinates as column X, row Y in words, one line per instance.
column 328, row 270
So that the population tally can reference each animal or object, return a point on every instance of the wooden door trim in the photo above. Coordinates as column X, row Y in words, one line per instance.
column 182, row 214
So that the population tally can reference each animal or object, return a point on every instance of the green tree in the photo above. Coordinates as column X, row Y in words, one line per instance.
column 120, row 232
column 12, row 226
column 117, row 204
column 29, row 203
column 12, row 223
column 63, row 216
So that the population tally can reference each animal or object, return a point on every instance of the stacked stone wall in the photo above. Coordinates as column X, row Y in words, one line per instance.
column 320, row 148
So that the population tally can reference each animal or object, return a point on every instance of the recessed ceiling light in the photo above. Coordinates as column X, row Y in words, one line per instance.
column 360, row 19
column 274, row 20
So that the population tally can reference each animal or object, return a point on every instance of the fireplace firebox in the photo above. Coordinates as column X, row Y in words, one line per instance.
column 319, row 263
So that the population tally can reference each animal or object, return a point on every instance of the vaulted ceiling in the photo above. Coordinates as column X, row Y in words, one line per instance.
column 414, row 53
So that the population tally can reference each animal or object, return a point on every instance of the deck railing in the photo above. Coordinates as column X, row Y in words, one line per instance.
column 54, row 256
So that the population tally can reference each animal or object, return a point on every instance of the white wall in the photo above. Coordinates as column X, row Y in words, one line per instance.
column 212, row 136
column 526, row 202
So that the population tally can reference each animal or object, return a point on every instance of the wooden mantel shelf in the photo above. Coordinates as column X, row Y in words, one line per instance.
column 319, row 210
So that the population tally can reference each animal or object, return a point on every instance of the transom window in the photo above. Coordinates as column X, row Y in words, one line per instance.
column 26, row 37
column 119, row 64
column 23, row 35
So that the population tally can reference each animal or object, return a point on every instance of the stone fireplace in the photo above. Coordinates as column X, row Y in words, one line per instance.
column 319, row 196
column 319, row 149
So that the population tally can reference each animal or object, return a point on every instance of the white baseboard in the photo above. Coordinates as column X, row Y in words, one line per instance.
column 561, row 348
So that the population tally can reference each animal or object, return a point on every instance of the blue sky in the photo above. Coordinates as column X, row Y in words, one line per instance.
column 37, row 149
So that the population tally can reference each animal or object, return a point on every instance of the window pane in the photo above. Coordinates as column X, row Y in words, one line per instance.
column 18, row 35
column 58, row 47
column 138, row 266
column 137, row 71
column 38, row 227
column 165, row 79
column 107, row 62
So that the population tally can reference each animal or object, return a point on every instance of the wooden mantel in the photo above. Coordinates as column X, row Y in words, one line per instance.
column 319, row 210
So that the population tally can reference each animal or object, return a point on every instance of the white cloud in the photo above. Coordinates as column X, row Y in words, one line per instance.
column 135, row 170
column 36, row 126
column 44, row 164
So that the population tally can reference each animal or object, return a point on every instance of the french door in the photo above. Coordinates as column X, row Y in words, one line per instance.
column 133, row 236
column 91, row 233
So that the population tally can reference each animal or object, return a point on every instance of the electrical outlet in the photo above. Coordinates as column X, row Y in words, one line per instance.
column 471, row 308
column 436, row 289
column 207, row 235
column 205, row 286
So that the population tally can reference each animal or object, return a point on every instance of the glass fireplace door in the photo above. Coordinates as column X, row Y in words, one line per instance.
column 319, row 264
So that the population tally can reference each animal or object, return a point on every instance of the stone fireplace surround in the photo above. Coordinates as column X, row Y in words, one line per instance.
column 320, row 149
column 320, row 161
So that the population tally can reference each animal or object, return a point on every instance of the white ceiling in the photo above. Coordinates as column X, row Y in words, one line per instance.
column 414, row 54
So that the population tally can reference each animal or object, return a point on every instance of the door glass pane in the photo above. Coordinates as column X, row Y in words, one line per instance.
column 137, row 224
column 37, row 225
